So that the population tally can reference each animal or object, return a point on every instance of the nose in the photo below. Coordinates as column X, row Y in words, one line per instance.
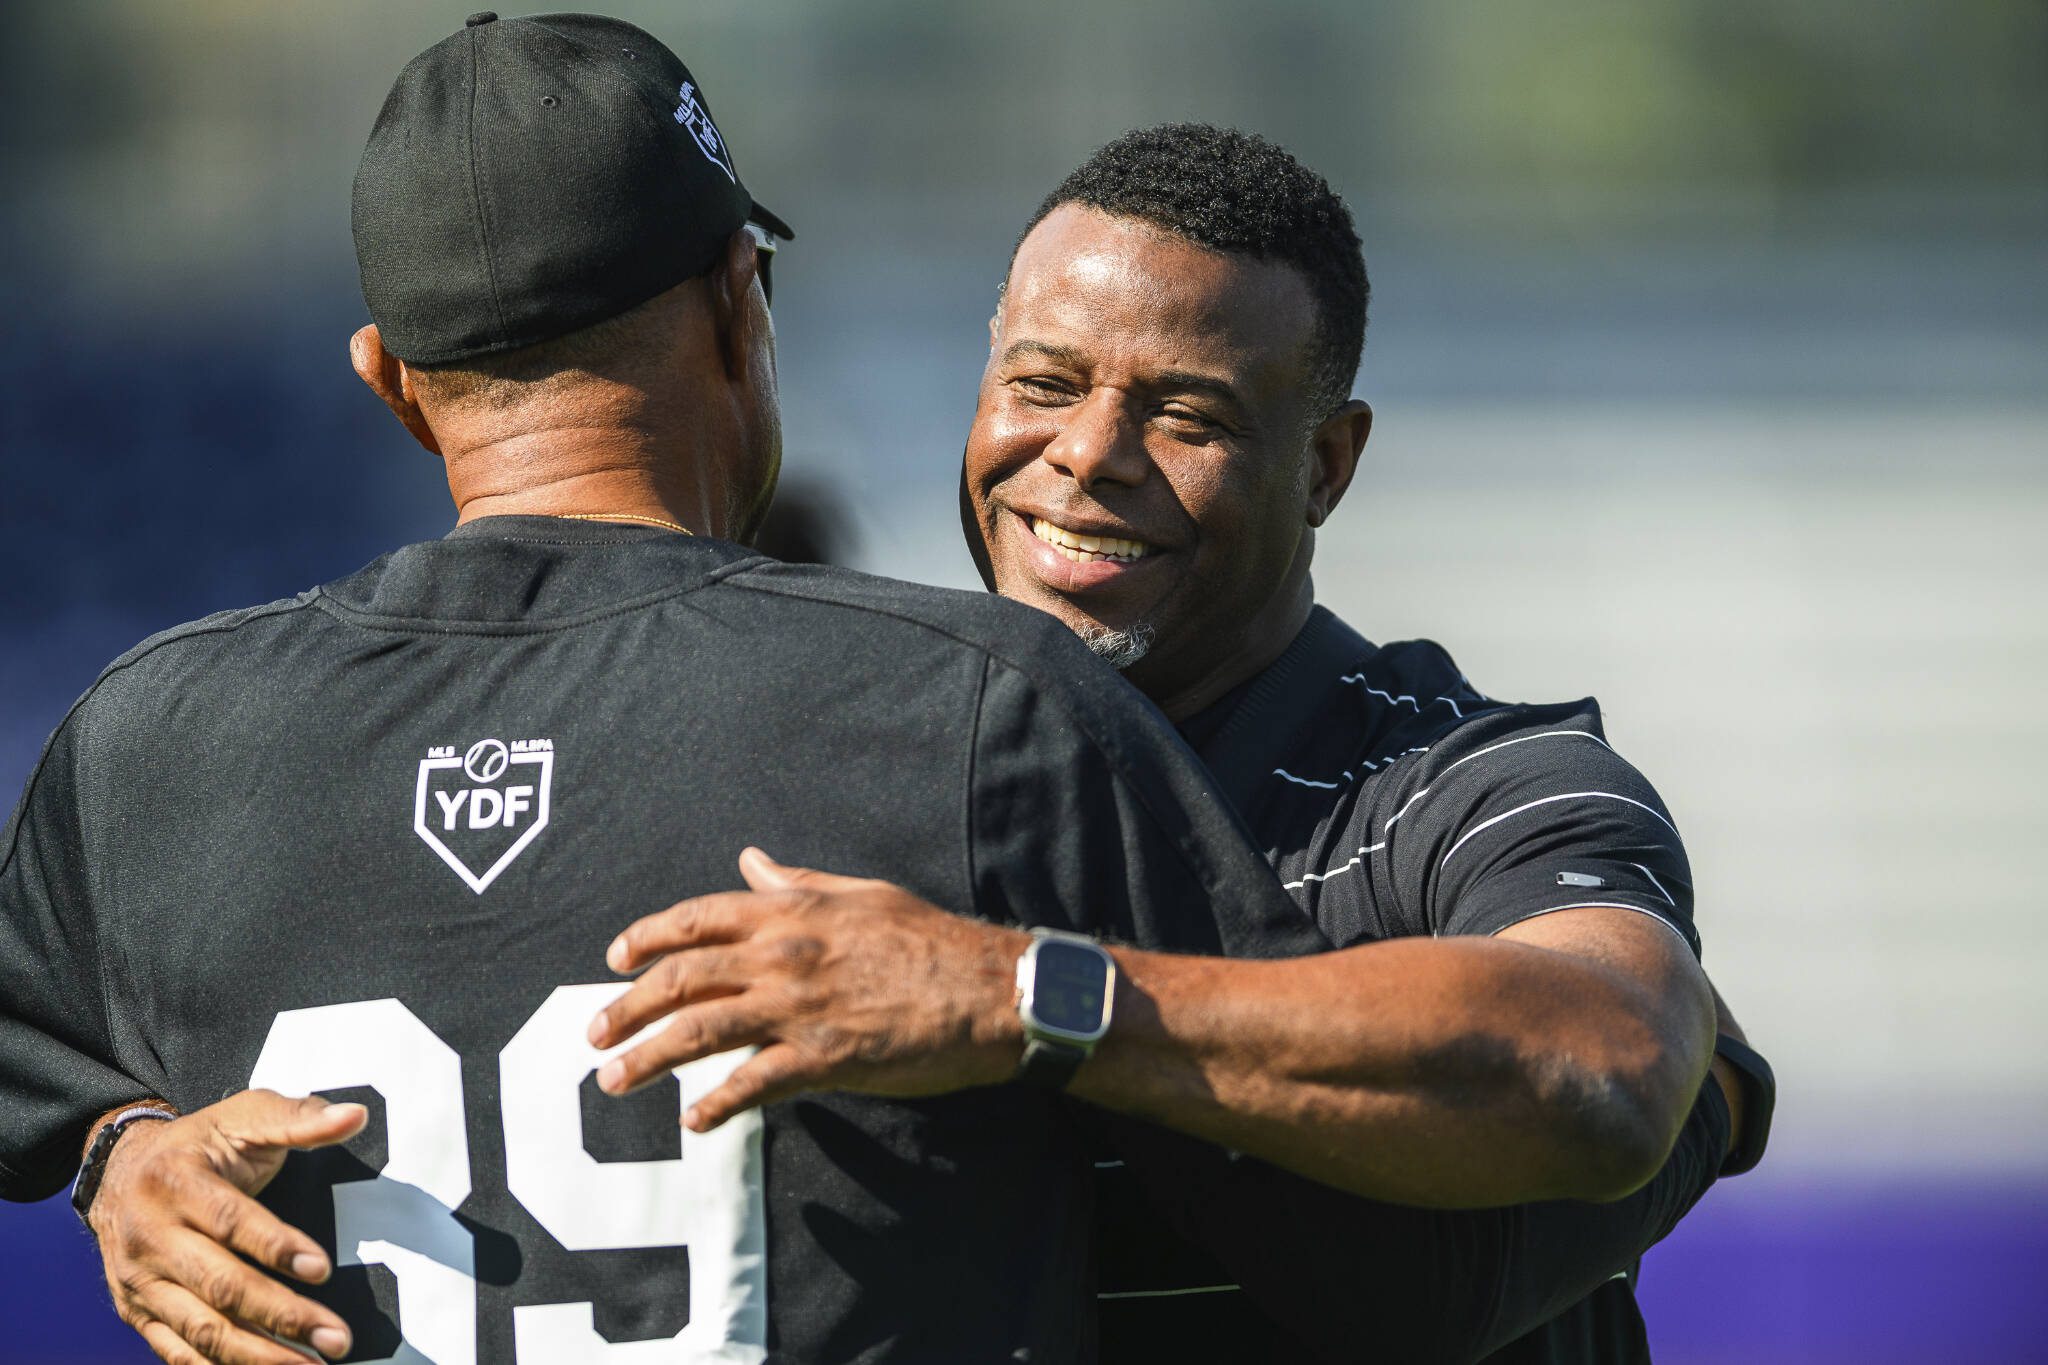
column 1100, row 443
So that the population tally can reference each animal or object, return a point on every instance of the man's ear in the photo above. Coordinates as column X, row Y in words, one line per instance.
column 386, row 375
column 1335, row 448
column 732, row 302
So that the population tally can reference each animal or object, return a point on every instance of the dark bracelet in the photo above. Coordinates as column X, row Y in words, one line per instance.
column 94, row 1168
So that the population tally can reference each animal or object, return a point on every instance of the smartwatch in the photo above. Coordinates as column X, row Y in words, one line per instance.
column 1066, row 985
column 94, row 1168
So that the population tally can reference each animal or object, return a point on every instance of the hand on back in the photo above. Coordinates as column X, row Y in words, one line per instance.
column 843, row 983
column 176, row 1206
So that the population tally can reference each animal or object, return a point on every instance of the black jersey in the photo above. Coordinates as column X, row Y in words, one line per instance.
column 1396, row 800
column 373, row 841
column 1407, row 803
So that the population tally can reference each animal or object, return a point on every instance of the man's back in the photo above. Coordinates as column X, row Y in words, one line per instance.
column 373, row 841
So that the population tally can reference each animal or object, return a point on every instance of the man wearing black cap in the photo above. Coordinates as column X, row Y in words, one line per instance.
column 367, row 845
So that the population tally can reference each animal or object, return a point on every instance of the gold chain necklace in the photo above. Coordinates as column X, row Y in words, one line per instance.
column 622, row 516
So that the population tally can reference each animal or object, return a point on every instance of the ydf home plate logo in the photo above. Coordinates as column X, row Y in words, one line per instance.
column 479, row 809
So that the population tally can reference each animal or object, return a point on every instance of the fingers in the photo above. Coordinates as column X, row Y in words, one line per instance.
column 168, row 1345
column 763, row 873
column 724, row 917
column 241, row 1224
column 681, row 978
column 228, row 1288
column 320, row 1124
column 266, row 1118
column 773, row 1073
column 246, row 1137
column 360, row 353
column 182, row 1329
column 699, row 1032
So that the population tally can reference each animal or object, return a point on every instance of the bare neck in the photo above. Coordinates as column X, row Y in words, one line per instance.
column 626, row 464
column 1182, row 695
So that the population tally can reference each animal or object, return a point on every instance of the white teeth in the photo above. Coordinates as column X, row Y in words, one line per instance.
column 1088, row 549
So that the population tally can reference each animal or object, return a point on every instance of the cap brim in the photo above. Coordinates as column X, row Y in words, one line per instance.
column 761, row 215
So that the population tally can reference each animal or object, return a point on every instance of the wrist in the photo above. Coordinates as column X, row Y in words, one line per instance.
column 1065, row 999
column 114, row 1133
column 1178, row 1040
column 998, row 1032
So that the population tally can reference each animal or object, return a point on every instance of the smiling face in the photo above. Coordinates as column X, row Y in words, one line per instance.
column 1146, row 458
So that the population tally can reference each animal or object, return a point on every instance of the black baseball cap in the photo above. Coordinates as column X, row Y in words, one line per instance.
column 527, row 178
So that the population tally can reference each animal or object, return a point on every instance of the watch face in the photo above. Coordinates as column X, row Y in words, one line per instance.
column 1067, row 988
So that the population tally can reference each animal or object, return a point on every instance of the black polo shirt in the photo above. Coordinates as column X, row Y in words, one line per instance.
column 1395, row 800
column 372, row 842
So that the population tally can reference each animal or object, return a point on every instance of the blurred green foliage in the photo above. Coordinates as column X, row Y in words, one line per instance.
column 146, row 138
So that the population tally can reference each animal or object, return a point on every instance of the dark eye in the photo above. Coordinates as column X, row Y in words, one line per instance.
column 1039, row 389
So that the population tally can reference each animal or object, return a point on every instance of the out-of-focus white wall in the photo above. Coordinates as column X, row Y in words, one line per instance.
column 1823, row 634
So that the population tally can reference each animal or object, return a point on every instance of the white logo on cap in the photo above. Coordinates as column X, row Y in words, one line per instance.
column 692, row 116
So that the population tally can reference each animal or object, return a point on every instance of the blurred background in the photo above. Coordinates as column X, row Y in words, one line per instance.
column 1709, row 347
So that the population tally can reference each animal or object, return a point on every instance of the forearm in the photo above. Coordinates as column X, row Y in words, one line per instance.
column 1563, row 1250
column 1555, row 1060
column 1440, row 1072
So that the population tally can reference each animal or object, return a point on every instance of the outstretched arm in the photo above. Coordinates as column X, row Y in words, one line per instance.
column 1555, row 1060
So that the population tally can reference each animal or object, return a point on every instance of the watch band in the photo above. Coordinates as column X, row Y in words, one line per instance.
column 1759, row 1098
column 94, row 1168
column 1050, row 1064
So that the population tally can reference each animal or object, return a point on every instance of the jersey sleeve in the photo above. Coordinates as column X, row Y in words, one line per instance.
column 1529, row 811
column 1088, row 813
column 58, row 1066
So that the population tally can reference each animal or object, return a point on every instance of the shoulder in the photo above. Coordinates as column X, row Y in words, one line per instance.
column 206, row 633
column 1377, row 706
column 1527, row 810
column 1423, row 696
column 1472, row 813
column 143, row 678
column 1455, row 757
column 978, row 620
column 1508, row 753
column 190, row 647
column 187, row 653
column 1417, row 675
column 1518, row 737
column 1029, row 643
column 1044, row 691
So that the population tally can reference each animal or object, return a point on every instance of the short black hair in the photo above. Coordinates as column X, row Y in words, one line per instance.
column 1238, row 193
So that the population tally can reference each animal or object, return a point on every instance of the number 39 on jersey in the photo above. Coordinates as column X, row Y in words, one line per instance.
column 710, row 1201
